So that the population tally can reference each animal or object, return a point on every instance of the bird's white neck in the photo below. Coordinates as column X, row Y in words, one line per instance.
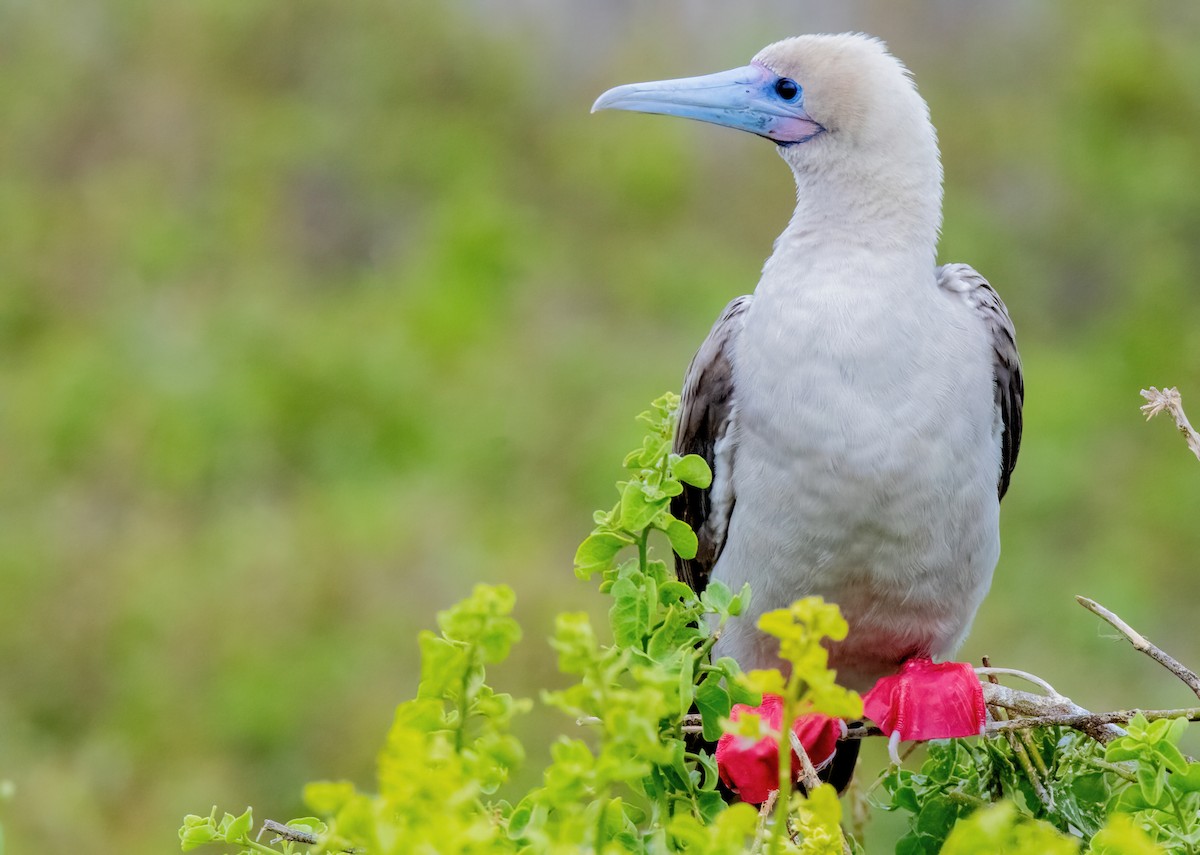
column 884, row 210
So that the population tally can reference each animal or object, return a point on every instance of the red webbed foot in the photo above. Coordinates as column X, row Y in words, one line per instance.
column 750, row 766
column 927, row 700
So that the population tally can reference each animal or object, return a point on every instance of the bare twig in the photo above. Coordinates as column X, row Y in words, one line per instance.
column 1140, row 642
column 989, row 672
column 997, row 713
column 294, row 835
column 1170, row 401
column 764, row 813
column 1085, row 721
column 862, row 730
column 1090, row 721
column 1029, row 704
column 287, row 832
column 808, row 772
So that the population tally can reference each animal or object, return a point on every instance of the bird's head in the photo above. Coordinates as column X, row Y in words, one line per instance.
column 821, row 98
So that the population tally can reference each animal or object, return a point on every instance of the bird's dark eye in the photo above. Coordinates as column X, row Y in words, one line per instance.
column 786, row 89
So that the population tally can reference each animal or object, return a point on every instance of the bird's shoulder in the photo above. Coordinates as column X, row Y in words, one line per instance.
column 973, row 288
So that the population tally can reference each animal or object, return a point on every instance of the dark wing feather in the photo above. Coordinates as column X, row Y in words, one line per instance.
column 1010, row 386
column 705, row 411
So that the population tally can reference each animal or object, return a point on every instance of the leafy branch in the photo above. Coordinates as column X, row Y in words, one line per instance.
column 1048, row 776
column 1096, row 782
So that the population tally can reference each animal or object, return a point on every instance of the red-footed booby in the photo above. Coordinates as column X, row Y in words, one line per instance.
column 861, row 411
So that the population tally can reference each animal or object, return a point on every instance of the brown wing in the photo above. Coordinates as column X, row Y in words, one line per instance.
column 1010, row 385
column 705, row 412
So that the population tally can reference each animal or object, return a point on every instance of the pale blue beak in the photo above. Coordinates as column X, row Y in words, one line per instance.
column 752, row 98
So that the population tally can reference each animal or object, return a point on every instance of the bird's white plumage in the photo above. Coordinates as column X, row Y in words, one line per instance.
column 866, row 465
column 861, row 445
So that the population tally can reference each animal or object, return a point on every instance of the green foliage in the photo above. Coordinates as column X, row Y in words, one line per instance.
column 808, row 688
column 1127, row 796
column 631, row 783
column 649, row 792
column 1000, row 830
column 269, row 273
column 1155, row 784
column 958, row 776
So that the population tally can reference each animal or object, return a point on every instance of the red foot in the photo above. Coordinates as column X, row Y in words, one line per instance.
column 750, row 767
column 927, row 701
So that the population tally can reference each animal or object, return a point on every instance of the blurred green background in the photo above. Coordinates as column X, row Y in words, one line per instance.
column 314, row 314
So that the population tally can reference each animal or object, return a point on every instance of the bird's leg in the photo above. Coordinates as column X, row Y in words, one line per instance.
column 749, row 765
column 927, row 700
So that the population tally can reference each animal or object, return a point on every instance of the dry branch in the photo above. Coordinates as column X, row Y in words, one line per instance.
column 287, row 832
column 1170, row 401
column 808, row 772
column 1140, row 642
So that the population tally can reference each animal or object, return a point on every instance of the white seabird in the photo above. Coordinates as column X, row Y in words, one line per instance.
column 862, row 410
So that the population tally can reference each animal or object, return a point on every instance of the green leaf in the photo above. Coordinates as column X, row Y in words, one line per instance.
column 1172, row 757
column 675, row 765
column 1121, row 749
column 708, row 767
column 739, row 692
column 673, row 592
column 197, row 831
column 941, row 763
column 443, row 663
column 937, row 817
column 628, row 614
column 1130, row 800
column 905, row 798
column 739, row 602
column 666, row 642
column 597, row 552
column 683, row 539
column 692, row 469
column 520, row 818
column 1187, row 781
column 712, row 699
column 637, row 510
column 652, row 450
column 1090, row 789
column 239, row 827
column 1176, row 730
column 1150, row 784
column 717, row 597
column 311, row 824
column 712, row 806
